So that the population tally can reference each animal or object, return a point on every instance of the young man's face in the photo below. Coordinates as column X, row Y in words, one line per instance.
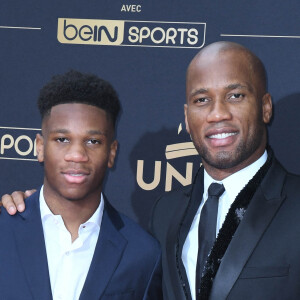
column 76, row 147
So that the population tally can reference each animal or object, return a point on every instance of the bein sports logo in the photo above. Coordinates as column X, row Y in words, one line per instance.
column 131, row 33
column 18, row 143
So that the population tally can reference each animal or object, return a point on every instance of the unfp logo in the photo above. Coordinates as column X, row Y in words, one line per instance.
column 18, row 143
column 172, row 151
column 164, row 172
column 131, row 33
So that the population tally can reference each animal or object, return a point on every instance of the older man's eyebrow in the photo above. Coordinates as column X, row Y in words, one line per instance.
column 199, row 91
column 229, row 87
column 238, row 86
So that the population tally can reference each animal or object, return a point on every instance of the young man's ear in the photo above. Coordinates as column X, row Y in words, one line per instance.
column 112, row 153
column 40, row 147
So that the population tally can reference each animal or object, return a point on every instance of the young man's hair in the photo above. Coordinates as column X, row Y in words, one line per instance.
column 76, row 87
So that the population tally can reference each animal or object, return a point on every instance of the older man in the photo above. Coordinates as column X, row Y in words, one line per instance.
column 241, row 195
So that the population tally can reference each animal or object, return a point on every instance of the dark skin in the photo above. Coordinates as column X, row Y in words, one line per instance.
column 76, row 147
column 226, row 111
column 227, row 108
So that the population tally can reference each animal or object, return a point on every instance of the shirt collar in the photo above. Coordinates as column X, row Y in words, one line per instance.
column 236, row 182
column 46, row 213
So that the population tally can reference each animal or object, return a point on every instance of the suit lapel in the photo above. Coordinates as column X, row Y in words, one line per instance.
column 195, row 196
column 177, row 233
column 174, row 263
column 260, row 213
column 108, row 253
column 31, row 249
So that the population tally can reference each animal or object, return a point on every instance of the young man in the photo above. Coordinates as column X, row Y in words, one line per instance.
column 70, row 243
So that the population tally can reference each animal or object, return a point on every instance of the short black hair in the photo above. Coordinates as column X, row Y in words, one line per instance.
column 76, row 87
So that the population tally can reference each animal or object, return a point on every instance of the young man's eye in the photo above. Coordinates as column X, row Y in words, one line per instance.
column 62, row 140
column 201, row 100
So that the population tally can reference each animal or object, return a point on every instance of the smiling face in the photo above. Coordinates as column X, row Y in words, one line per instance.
column 77, row 146
column 226, row 110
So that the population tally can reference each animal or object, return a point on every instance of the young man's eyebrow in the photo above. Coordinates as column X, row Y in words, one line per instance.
column 66, row 131
column 60, row 130
column 98, row 132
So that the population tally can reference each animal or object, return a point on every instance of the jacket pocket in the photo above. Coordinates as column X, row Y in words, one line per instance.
column 265, row 272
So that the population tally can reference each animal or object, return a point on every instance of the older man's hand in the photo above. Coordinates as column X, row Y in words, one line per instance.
column 15, row 202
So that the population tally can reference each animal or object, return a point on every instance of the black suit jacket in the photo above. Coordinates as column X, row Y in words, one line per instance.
column 125, row 265
column 262, row 260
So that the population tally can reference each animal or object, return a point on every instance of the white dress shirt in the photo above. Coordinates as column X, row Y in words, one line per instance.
column 68, row 262
column 233, row 184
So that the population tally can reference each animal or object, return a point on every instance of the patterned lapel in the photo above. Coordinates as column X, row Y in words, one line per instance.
column 262, row 208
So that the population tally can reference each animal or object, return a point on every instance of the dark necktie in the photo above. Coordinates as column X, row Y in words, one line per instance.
column 207, row 229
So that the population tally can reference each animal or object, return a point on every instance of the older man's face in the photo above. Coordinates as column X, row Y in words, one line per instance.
column 226, row 111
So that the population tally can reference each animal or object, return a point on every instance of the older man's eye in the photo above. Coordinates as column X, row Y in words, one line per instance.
column 94, row 142
column 236, row 96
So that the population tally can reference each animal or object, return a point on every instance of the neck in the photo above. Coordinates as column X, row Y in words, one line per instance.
column 73, row 212
column 220, row 174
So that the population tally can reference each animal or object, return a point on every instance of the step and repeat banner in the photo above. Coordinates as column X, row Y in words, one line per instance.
column 143, row 48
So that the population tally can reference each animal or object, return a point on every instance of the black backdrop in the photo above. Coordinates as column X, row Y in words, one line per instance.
column 148, row 72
